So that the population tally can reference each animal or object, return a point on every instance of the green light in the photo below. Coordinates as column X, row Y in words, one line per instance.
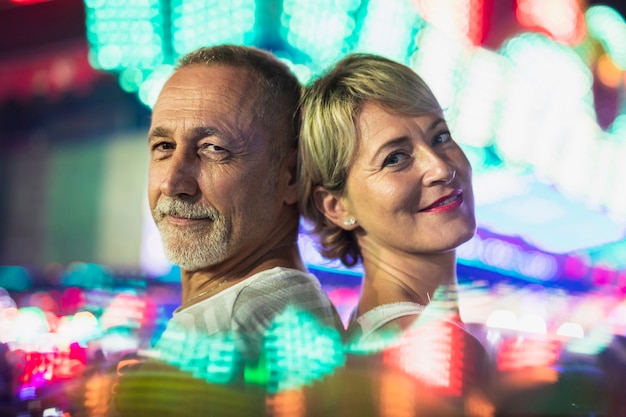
column 130, row 79
column 213, row 359
column 299, row 350
column 608, row 26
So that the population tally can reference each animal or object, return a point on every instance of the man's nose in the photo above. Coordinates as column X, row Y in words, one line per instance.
column 180, row 176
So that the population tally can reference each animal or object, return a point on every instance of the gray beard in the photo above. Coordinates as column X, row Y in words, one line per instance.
column 192, row 247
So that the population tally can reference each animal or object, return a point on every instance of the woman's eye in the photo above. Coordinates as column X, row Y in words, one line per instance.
column 395, row 158
column 442, row 137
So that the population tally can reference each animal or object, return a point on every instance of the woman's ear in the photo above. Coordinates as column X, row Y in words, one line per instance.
column 334, row 208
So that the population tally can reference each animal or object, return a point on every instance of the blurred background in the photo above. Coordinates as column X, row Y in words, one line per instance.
column 534, row 91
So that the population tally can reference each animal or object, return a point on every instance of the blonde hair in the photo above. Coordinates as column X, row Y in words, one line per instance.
column 328, row 139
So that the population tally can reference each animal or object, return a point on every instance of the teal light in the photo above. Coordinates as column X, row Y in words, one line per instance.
column 14, row 278
column 130, row 79
column 214, row 359
column 480, row 158
column 198, row 23
column 608, row 26
column 109, row 57
column 300, row 350
column 150, row 88
column 122, row 34
column 86, row 275
column 321, row 29
column 596, row 341
column 389, row 28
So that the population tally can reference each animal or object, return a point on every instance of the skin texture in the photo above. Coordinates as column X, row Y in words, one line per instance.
column 224, row 210
column 403, row 165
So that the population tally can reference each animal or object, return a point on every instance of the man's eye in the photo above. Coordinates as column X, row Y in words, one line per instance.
column 214, row 151
column 215, row 148
column 163, row 146
column 395, row 158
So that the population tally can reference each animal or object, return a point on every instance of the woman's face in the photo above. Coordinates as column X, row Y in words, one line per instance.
column 409, row 186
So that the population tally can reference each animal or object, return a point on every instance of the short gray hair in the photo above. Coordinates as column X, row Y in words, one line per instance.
column 279, row 90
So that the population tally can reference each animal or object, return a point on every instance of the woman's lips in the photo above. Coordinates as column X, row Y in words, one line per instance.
column 447, row 203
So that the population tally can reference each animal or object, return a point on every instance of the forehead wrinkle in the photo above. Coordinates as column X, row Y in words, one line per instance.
column 196, row 103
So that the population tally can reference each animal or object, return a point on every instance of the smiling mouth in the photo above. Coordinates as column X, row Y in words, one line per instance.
column 177, row 220
column 447, row 203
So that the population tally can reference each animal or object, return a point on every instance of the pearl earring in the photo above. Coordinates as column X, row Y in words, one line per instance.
column 349, row 222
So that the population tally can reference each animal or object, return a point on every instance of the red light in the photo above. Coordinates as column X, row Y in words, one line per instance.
column 519, row 353
column 434, row 354
column 27, row 2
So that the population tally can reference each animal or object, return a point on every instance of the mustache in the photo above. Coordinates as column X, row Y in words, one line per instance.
column 168, row 206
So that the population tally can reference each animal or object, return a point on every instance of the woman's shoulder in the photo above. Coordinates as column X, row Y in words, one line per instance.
column 385, row 318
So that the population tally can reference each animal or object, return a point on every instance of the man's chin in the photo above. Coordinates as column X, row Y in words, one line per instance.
column 187, row 265
column 189, row 262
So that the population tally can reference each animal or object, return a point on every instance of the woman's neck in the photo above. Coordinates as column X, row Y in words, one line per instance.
column 393, row 276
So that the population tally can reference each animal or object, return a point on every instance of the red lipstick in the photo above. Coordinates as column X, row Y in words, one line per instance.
column 446, row 203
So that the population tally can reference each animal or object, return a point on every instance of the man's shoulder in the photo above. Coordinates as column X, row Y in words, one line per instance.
column 281, row 286
column 272, row 292
column 282, row 279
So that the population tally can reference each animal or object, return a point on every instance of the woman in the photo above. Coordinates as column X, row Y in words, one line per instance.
column 384, row 183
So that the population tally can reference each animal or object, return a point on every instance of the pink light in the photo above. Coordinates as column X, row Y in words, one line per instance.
column 124, row 310
column 463, row 18
column 561, row 19
column 28, row 2
column 576, row 267
column 602, row 276
column 432, row 353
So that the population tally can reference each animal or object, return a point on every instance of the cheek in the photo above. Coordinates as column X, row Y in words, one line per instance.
column 383, row 198
column 154, row 183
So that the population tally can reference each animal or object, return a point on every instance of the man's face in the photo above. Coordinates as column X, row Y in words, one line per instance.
column 212, row 185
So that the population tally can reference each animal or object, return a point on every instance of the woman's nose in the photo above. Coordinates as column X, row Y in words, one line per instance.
column 437, row 169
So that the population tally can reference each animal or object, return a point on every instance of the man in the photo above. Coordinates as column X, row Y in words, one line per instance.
column 222, row 190
column 223, row 193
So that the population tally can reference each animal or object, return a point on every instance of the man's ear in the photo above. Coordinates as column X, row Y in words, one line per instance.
column 288, row 176
column 334, row 208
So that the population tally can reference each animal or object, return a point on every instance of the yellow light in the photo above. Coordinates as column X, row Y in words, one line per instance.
column 607, row 72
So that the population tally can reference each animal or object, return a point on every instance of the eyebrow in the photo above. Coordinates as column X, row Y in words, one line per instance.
column 402, row 139
column 436, row 123
column 196, row 132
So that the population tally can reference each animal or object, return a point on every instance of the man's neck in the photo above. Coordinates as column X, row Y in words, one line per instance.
column 204, row 283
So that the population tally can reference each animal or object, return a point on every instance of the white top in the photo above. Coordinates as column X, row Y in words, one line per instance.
column 230, row 326
column 367, row 324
